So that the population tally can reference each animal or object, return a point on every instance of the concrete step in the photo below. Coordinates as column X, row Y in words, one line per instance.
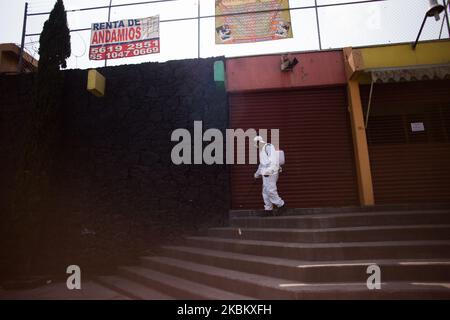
column 306, row 271
column 318, row 255
column 131, row 289
column 176, row 287
column 90, row 290
column 328, row 251
column 355, row 291
column 325, row 210
column 254, row 285
column 348, row 234
column 338, row 220
column 263, row 287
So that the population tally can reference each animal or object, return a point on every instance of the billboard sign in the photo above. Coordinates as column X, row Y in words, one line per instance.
column 266, row 20
column 124, row 38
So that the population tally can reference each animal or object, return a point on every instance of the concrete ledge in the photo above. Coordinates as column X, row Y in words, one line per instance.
column 352, row 209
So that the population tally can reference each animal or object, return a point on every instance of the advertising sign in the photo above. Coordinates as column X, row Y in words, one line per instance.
column 124, row 38
column 240, row 21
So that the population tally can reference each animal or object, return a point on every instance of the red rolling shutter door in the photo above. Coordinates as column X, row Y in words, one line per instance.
column 407, row 166
column 315, row 135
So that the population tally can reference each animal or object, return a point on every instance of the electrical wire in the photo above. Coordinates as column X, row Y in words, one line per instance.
column 115, row 6
column 210, row 16
column 220, row 15
column 84, row 50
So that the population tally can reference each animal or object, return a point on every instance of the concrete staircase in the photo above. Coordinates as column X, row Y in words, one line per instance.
column 307, row 256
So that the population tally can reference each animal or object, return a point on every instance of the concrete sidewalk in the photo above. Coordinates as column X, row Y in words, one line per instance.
column 90, row 290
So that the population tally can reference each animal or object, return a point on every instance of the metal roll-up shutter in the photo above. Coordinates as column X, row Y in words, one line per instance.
column 409, row 165
column 315, row 135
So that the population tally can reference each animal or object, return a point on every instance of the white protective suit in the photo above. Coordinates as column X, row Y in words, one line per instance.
column 268, row 168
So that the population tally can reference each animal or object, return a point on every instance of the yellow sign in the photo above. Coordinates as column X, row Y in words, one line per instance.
column 241, row 21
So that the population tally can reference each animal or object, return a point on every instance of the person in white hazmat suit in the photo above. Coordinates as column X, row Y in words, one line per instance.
column 269, row 167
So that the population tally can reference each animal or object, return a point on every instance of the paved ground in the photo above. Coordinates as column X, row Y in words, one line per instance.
column 58, row 291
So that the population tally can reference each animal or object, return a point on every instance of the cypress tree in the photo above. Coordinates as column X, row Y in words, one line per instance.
column 54, row 42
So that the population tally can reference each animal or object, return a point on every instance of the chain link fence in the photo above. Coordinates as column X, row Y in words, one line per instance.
column 187, row 27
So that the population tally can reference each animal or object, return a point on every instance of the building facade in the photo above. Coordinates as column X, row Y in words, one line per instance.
column 10, row 56
column 359, row 126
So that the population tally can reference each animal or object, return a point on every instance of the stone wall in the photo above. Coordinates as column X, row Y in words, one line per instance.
column 116, row 191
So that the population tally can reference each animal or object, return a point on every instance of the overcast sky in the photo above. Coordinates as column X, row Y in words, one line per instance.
column 353, row 25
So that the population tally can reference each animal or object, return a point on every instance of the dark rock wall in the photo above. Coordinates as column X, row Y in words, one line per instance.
column 117, row 192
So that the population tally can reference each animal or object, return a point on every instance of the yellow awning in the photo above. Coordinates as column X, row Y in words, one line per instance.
column 415, row 73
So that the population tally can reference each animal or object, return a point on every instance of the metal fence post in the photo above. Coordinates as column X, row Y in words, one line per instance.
column 318, row 24
column 198, row 29
column 109, row 18
column 22, row 44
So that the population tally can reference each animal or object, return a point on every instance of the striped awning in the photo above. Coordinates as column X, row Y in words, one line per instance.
column 416, row 73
